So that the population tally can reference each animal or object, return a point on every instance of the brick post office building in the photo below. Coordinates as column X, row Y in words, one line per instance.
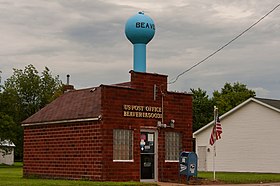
column 130, row 131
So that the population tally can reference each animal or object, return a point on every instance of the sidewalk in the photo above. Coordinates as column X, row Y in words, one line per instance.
column 178, row 184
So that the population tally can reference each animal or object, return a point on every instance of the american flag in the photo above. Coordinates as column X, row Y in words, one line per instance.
column 216, row 131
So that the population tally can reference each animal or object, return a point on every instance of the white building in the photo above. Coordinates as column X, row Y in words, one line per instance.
column 250, row 139
column 8, row 158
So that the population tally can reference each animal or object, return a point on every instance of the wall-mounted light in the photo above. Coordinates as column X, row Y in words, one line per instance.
column 163, row 125
column 159, row 124
column 172, row 123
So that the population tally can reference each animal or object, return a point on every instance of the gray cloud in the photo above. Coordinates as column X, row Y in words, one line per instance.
column 86, row 39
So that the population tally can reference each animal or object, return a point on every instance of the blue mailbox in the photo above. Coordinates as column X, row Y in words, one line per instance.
column 188, row 164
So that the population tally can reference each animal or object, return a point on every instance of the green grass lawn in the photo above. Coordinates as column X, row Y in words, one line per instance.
column 238, row 178
column 12, row 176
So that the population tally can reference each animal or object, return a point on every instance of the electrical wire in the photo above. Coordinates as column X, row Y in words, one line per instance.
column 225, row 45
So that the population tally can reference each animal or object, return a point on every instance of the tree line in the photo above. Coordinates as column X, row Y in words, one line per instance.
column 21, row 95
column 27, row 91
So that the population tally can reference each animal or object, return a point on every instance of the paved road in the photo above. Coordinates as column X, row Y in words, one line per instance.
column 177, row 184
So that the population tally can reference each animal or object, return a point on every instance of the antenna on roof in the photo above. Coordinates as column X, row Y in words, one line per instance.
column 68, row 87
column 68, row 79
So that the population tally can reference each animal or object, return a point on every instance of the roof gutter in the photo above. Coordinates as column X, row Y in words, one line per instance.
column 62, row 121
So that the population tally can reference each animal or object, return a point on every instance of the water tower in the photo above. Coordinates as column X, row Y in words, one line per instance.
column 139, row 30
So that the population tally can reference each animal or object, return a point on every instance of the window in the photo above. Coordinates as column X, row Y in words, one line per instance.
column 122, row 144
column 173, row 145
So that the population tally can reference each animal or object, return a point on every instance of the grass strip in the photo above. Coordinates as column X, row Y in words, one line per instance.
column 12, row 176
column 241, row 178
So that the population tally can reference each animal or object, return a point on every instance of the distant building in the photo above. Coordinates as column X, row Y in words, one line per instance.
column 131, row 131
column 250, row 139
column 7, row 157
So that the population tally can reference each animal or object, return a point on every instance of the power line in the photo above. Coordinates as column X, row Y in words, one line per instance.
column 225, row 45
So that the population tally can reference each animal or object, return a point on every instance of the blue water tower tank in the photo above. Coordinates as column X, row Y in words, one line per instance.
column 139, row 30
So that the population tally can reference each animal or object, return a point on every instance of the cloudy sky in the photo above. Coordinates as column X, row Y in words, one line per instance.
column 85, row 39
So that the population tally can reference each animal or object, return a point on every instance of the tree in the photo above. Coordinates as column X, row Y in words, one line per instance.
column 231, row 96
column 23, row 94
column 202, row 108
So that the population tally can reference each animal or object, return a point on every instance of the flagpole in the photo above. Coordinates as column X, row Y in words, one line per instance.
column 214, row 151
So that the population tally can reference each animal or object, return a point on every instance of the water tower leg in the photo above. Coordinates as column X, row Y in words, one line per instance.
column 139, row 64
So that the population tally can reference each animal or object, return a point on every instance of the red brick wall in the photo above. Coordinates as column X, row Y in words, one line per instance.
column 71, row 151
column 177, row 106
